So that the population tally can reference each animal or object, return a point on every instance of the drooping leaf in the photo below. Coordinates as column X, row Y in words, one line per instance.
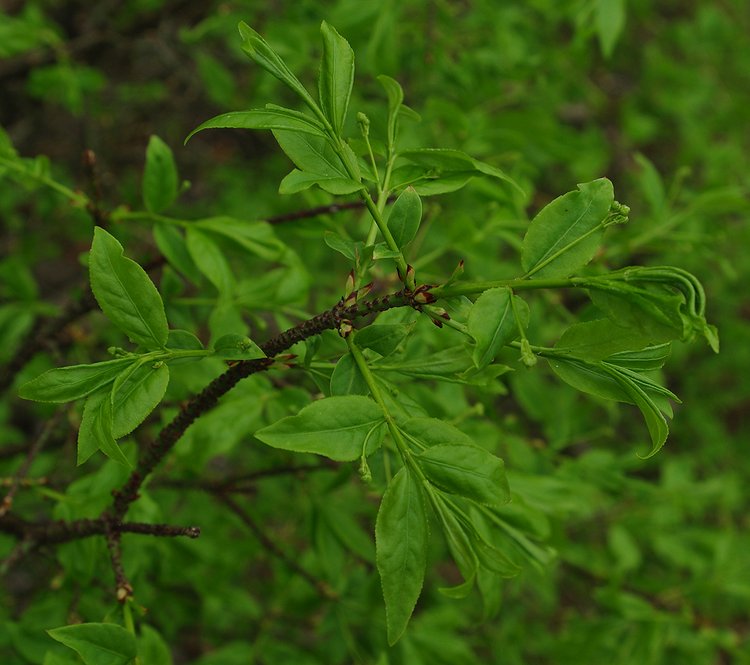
column 598, row 339
column 65, row 384
column 256, row 237
column 95, row 432
column 336, row 76
column 160, row 181
column 566, row 233
column 467, row 471
column 260, row 51
column 125, row 293
column 271, row 117
column 401, row 550
column 434, row 432
column 338, row 427
column 98, row 643
column 137, row 396
column 492, row 323
column 405, row 216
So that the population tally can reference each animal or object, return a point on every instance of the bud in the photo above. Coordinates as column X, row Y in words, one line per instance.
column 437, row 322
column 364, row 470
column 364, row 124
column 345, row 328
column 424, row 298
column 349, row 287
column 528, row 357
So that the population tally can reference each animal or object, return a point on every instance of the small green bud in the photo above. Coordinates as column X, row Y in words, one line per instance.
column 528, row 357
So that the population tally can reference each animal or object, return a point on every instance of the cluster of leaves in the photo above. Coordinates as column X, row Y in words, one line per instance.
column 387, row 385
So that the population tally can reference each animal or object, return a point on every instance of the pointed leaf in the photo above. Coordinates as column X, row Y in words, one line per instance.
column 98, row 643
column 337, row 427
column 271, row 117
column 95, row 432
column 137, row 396
column 237, row 347
column 125, row 293
column 401, row 550
column 336, row 76
column 65, row 384
column 405, row 216
column 210, row 260
column 566, row 233
column 347, row 379
column 492, row 324
column 467, row 471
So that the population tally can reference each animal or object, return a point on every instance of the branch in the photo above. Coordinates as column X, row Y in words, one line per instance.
column 319, row 585
column 35, row 448
column 155, row 451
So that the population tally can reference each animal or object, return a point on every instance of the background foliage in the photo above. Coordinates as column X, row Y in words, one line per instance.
column 638, row 561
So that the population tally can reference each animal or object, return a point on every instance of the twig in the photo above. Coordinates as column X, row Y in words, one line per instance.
column 319, row 585
column 123, row 587
column 329, row 209
column 231, row 484
column 34, row 449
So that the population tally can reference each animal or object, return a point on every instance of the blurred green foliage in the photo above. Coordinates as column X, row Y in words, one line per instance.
column 650, row 560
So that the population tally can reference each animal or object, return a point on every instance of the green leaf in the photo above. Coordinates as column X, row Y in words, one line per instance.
column 645, row 360
column 98, row 643
column 405, row 216
column 271, row 117
column 152, row 649
column 160, row 181
column 65, row 384
column 492, row 324
column 599, row 339
column 434, row 432
column 183, row 340
column 346, row 378
column 610, row 20
column 256, row 237
column 340, row 244
column 137, row 396
column 259, row 50
column 311, row 154
column 171, row 244
column 395, row 100
column 125, row 293
column 237, row 347
column 336, row 76
column 298, row 181
column 401, row 550
column 566, row 233
column 384, row 339
column 443, row 365
column 467, row 471
column 95, row 432
column 338, row 427
column 210, row 260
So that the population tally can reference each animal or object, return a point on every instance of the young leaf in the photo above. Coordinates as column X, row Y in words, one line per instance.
column 384, row 338
column 137, row 396
column 95, row 432
column 171, row 244
column 346, row 378
column 160, row 182
column 467, row 471
column 337, row 427
column 395, row 100
column 311, row 154
column 125, row 292
column 401, row 550
column 336, row 76
column 271, row 117
column 65, row 384
column 298, row 181
column 566, row 233
column 259, row 50
column 610, row 20
column 405, row 216
column 433, row 431
column 98, row 643
column 492, row 324
column 237, row 347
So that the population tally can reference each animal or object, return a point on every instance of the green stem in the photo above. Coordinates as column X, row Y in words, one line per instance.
column 77, row 197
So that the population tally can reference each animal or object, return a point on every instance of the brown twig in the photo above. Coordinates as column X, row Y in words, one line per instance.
column 319, row 585
column 329, row 209
column 34, row 449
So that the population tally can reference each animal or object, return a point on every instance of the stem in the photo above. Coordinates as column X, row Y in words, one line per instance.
column 77, row 197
